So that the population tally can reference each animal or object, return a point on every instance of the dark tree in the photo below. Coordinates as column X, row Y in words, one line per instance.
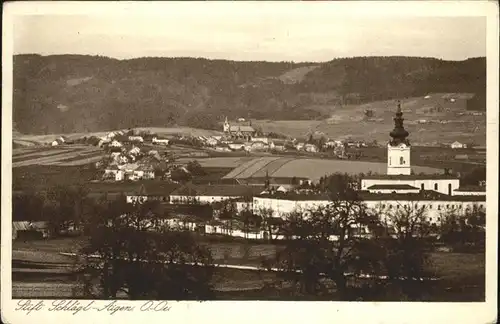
column 326, row 242
column 131, row 251
column 195, row 168
column 405, row 245
column 66, row 207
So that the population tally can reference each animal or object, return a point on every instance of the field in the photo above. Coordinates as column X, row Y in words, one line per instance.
column 64, row 155
column 39, row 177
column 349, row 121
column 309, row 168
column 40, row 271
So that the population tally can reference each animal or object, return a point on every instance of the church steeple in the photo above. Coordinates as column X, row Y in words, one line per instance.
column 398, row 149
column 399, row 133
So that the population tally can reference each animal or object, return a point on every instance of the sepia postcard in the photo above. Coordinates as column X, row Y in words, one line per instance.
column 292, row 161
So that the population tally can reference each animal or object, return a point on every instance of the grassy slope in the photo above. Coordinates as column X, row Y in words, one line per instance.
column 67, row 94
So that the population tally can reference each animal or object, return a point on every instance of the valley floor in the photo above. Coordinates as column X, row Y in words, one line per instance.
column 39, row 270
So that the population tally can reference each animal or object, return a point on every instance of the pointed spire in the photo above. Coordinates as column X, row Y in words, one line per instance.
column 399, row 134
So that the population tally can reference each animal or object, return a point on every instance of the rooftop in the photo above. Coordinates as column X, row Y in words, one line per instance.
column 471, row 188
column 425, row 195
column 392, row 186
column 241, row 128
column 226, row 190
column 410, row 177
column 162, row 188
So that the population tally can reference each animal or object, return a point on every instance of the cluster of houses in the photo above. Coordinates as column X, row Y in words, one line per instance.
column 241, row 136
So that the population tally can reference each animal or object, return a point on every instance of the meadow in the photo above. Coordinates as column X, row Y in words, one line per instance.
column 461, row 275
column 64, row 155
column 349, row 121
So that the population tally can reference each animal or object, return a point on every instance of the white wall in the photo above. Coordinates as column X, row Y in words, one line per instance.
column 434, row 209
column 429, row 184
column 281, row 207
column 201, row 199
column 394, row 155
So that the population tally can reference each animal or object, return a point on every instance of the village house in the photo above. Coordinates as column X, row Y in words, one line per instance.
column 59, row 141
column 136, row 139
column 300, row 146
column 330, row 144
column 257, row 146
column 458, row 145
column 311, row 148
column 278, row 145
column 114, row 173
column 222, row 148
column 211, row 141
column 237, row 145
column 260, row 139
column 152, row 191
column 159, row 141
column 115, row 143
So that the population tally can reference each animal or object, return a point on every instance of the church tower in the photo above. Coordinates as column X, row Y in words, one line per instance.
column 226, row 126
column 398, row 149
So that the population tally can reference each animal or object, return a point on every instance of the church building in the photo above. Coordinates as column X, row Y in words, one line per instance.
column 399, row 177
column 238, row 131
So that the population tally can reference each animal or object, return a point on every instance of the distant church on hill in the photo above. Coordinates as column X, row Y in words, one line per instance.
column 239, row 131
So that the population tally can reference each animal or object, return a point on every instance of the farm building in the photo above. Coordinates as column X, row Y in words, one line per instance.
column 59, row 141
column 458, row 145
column 30, row 230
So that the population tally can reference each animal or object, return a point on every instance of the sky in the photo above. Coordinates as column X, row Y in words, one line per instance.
column 313, row 36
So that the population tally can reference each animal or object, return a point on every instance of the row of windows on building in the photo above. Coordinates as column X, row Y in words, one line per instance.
column 430, row 206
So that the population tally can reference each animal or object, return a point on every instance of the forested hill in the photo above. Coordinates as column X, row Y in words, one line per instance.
column 75, row 93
